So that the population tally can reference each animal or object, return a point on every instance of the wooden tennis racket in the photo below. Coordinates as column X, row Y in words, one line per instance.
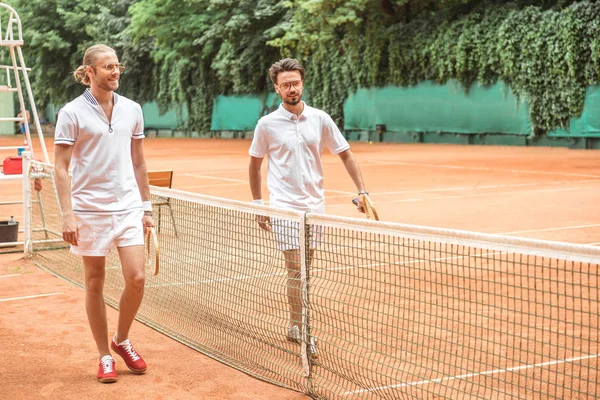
column 368, row 206
column 152, row 251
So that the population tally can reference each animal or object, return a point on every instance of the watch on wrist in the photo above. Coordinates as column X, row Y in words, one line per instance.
column 363, row 192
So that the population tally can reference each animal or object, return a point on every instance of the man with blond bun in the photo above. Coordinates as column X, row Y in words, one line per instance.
column 107, row 201
column 293, row 137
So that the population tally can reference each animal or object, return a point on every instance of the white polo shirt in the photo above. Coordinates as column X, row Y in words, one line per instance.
column 294, row 146
column 103, row 177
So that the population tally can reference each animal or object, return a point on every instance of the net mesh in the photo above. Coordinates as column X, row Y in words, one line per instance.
column 397, row 312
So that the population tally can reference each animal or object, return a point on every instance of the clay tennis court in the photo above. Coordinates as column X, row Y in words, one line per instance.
column 543, row 193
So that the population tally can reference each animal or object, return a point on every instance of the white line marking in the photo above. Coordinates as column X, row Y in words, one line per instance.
column 235, row 278
column 215, row 178
column 221, row 171
column 30, row 297
column 552, row 229
column 594, row 244
column 479, row 195
column 9, row 276
column 339, row 191
column 380, row 163
column 473, row 187
column 377, row 202
column 215, row 185
column 316, row 270
column 415, row 261
column 474, row 374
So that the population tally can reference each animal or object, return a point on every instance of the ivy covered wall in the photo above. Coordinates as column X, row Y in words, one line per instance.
column 547, row 52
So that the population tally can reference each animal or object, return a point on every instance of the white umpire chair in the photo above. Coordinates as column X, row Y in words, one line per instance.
column 13, row 76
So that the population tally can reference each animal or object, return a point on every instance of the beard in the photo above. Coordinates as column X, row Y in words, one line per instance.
column 293, row 102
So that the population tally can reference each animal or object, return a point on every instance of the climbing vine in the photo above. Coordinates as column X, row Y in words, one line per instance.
column 188, row 52
column 547, row 54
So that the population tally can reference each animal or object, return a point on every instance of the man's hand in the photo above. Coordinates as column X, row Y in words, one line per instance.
column 359, row 202
column 37, row 184
column 264, row 222
column 70, row 231
column 148, row 222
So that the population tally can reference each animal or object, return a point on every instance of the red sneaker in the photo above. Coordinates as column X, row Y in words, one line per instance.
column 106, row 370
column 132, row 359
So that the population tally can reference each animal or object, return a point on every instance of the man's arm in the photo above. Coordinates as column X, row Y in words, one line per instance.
column 141, row 177
column 255, row 187
column 255, row 177
column 139, row 168
column 62, row 160
column 354, row 171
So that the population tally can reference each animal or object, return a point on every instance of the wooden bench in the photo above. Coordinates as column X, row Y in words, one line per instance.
column 162, row 179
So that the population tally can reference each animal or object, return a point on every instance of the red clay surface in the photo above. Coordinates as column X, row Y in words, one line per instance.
column 46, row 344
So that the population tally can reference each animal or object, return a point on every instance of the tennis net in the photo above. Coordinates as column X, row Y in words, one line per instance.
column 397, row 311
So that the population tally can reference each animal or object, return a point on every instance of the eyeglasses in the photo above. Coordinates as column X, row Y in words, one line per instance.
column 288, row 85
column 112, row 67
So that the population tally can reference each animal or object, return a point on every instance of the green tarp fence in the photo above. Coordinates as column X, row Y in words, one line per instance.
column 588, row 125
column 240, row 113
column 427, row 107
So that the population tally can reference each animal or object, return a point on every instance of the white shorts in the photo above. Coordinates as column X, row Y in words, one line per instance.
column 97, row 232
column 287, row 233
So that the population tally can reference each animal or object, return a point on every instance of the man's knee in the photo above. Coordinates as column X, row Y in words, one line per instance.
column 136, row 281
column 94, row 285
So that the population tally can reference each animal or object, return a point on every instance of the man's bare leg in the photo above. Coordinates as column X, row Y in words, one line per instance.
column 134, row 274
column 94, row 301
column 294, row 284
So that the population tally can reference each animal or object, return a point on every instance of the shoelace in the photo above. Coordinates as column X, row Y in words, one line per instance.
column 107, row 365
column 130, row 350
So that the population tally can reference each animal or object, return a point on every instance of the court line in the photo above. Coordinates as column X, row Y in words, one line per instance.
column 215, row 178
column 458, row 188
column 464, row 196
column 30, row 297
column 8, row 276
column 226, row 171
column 415, row 261
column 206, row 186
column 475, row 374
column 339, row 191
column 552, row 229
column 481, row 195
column 316, row 270
column 380, row 163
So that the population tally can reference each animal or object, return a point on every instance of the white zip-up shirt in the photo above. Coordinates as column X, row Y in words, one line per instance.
column 294, row 146
column 103, row 177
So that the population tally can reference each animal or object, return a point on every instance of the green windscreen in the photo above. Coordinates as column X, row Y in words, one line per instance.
column 588, row 124
column 241, row 113
column 429, row 107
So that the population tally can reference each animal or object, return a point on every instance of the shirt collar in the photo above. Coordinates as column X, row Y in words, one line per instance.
column 92, row 100
column 293, row 116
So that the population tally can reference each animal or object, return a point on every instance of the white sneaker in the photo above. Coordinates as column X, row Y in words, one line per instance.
column 312, row 349
column 293, row 334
